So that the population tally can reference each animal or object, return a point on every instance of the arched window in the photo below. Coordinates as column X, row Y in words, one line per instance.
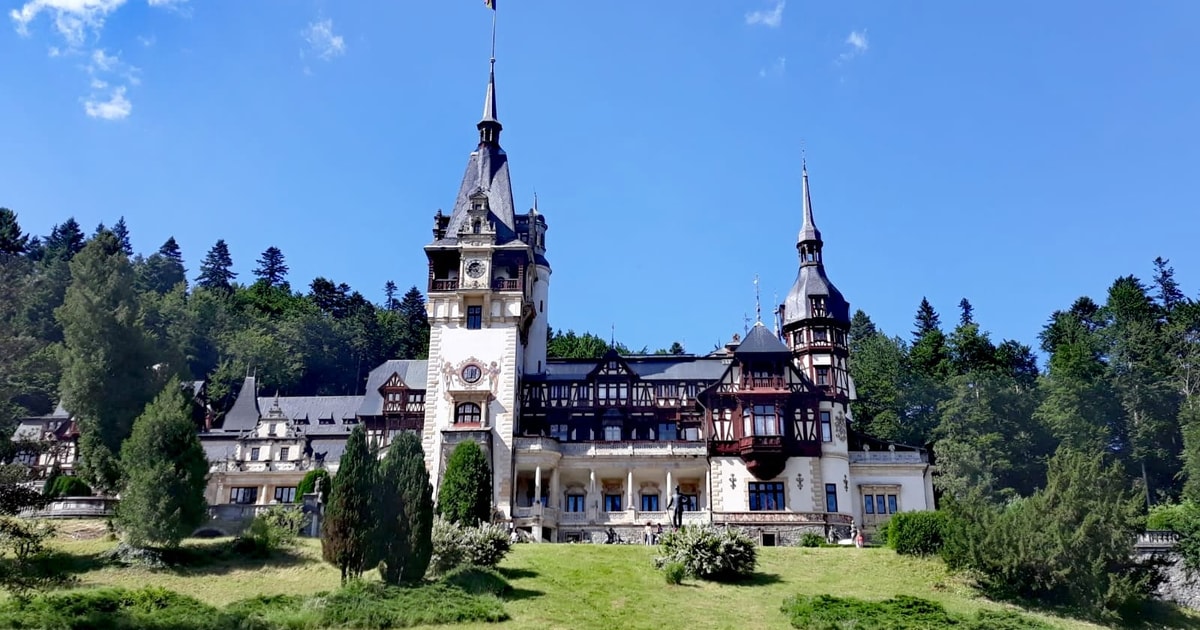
column 467, row 413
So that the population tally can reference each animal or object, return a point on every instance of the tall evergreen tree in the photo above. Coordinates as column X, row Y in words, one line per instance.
column 1168, row 295
column 414, row 343
column 271, row 268
column 927, row 320
column 466, row 493
column 12, row 240
column 329, row 297
column 347, row 532
column 163, row 270
column 106, row 379
column 165, row 471
column 405, row 508
column 879, row 366
column 389, row 296
column 216, row 271
column 65, row 240
column 861, row 329
column 35, row 250
column 967, row 312
column 121, row 231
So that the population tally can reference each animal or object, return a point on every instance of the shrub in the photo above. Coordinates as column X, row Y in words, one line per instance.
column 709, row 553
column 674, row 572
column 916, row 533
column 27, row 565
column 114, row 608
column 811, row 539
column 1070, row 544
column 1176, row 517
column 308, row 485
column 165, row 469
column 456, row 545
column 478, row 581
column 273, row 529
column 376, row 605
column 466, row 492
column 67, row 486
column 899, row 613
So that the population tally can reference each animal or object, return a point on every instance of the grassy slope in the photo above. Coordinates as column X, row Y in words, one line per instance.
column 597, row 586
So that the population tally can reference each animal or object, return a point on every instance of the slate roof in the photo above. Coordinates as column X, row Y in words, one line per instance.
column 218, row 449
column 811, row 279
column 414, row 373
column 245, row 412
column 761, row 341
column 317, row 408
column 656, row 368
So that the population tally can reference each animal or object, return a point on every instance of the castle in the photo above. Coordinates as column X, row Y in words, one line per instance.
column 757, row 435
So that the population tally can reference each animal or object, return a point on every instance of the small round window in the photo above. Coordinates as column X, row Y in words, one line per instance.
column 471, row 373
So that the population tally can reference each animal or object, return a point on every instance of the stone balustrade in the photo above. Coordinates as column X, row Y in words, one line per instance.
column 633, row 449
column 260, row 466
column 76, row 507
column 888, row 457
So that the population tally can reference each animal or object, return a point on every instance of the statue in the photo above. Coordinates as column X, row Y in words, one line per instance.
column 676, row 502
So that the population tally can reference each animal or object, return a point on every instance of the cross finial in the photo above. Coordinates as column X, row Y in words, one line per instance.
column 612, row 339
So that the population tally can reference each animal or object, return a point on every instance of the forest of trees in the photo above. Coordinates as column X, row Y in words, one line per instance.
column 83, row 317
column 1122, row 381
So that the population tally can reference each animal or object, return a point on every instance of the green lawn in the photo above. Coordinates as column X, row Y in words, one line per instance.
column 598, row 586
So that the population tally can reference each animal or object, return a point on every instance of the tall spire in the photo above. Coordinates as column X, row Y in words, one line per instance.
column 489, row 126
column 809, row 241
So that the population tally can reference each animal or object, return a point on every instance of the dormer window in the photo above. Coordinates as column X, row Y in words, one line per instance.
column 476, row 225
column 817, row 304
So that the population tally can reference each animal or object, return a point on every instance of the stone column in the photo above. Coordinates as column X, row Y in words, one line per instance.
column 670, row 491
column 629, row 488
column 537, row 486
column 593, row 501
column 555, row 490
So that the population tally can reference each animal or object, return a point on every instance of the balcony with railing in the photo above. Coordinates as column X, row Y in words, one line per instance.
column 633, row 449
column 506, row 284
column 888, row 457
column 443, row 284
column 764, row 383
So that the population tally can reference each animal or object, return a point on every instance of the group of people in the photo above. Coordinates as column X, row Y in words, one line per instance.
column 651, row 534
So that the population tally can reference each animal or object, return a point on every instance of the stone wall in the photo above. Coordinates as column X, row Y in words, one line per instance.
column 1178, row 586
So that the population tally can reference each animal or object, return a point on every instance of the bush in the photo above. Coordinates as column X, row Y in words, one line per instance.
column 27, row 564
column 674, row 572
column 466, row 492
column 709, row 553
column 114, row 608
column 67, row 486
column 1175, row 517
column 275, row 528
column 917, row 533
column 308, row 485
column 375, row 605
column 827, row 612
column 812, row 539
column 456, row 545
column 1068, row 545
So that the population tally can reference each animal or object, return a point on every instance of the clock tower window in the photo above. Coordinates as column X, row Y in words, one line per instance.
column 474, row 317
column 468, row 413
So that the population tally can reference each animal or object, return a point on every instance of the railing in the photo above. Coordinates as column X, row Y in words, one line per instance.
column 76, row 507
column 240, row 512
column 887, row 457
column 820, row 518
column 768, row 443
column 573, row 517
column 770, row 382
column 445, row 285
column 506, row 284
column 547, row 514
column 633, row 449
column 260, row 466
column 1157, row 539
column 537, row 445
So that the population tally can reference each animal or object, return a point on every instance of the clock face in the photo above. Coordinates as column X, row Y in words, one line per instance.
column 471, row 373
column 475, row 268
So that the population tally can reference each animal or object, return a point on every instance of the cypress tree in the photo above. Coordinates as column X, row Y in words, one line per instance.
column 165, row 468
column 346, row 534
column 405, row 512
column 466, row 493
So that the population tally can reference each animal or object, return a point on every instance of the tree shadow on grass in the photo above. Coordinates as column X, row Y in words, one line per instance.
column 517, row 594
column 761, row 579
column 1158, row 614
column 510, row 573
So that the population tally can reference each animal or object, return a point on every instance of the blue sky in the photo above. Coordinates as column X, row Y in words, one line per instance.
column 1017, row 153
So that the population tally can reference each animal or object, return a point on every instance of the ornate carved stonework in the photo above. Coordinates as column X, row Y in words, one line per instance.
column 839, row 426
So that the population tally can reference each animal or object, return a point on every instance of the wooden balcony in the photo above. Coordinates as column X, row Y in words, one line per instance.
column 506, row 284
column 770, row 383
column 450, row 284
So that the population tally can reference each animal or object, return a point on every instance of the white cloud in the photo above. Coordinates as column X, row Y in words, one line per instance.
column 322, row 40
column 97, row 84
column 73, row 19
column 858, row 43
column 770, row 18
column 774, row 70
column 147, row 41
column 117, row 107
column 102, row 61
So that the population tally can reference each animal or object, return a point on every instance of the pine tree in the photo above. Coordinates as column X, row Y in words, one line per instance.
column 967, row 315
column 121, row 231
column 861, row 329
column 216, row 271
column 106, row 378
column 271, row 268
column 64, row 241
column 414, row 342
column 165, row 472
column 12, row 240
column 348, row 529
column 163, row 270
column 405, row 504
column 927, row 320
column 466, row 493
column 1169, row 296
column 389, row 296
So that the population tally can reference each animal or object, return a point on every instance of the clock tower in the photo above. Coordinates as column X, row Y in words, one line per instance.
column 489, row 285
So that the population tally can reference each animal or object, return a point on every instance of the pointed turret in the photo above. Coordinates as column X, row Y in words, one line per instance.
column 489, row 126
column 812, row 295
